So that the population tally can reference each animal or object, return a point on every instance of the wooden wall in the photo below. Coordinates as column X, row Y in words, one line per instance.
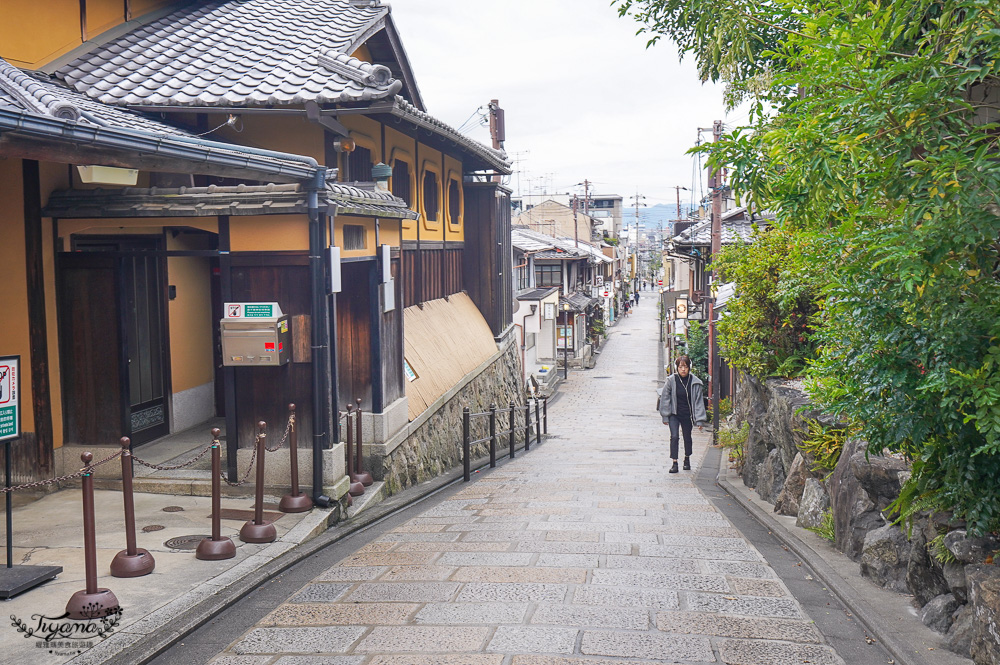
column 488, row 262
column 354, row 334
column 434, row 271
column 393, row 381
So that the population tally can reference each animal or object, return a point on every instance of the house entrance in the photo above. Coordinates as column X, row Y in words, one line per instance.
column 113, row 340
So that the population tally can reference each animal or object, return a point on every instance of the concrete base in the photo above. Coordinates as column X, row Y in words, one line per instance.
column 258, row 533
column 83, row 606
column 215, row 550
column 134, row 565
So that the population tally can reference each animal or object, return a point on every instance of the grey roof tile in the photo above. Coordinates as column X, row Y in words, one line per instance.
column 270, row 39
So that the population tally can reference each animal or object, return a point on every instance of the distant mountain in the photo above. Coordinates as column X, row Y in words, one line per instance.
column 653, row 216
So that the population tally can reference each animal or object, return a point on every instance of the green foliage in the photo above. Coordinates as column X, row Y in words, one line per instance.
column 597, row 328
column 874, row 142
column 823, row 445
column 768, row 325
column 697, row 348
column 826, row 528
column 939, row 551
column 734, row 440
column 725, row 408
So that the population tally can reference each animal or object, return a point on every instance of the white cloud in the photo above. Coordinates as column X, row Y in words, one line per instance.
column 580, row 89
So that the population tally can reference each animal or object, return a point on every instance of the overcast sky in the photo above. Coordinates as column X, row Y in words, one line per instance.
column 584, row 98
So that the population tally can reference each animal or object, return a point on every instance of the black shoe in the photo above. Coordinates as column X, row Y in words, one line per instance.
column 687, row 463
column 673, row 469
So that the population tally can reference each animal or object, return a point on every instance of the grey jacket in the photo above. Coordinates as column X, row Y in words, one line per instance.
column 668, row 399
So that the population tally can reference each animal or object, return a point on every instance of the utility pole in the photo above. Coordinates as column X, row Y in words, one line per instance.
column 497, row 128
column 716, row 184
column 576, row 233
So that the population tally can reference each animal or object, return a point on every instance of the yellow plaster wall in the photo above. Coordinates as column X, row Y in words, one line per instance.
column 455, row 231
column 52, row 177
column 362, row 53
column 291, row 133
column 103, row 15
column 271, row 233
column 14, row 294
column 400, row 146
column 190, row 317
column 368, row 223
column 430, row 162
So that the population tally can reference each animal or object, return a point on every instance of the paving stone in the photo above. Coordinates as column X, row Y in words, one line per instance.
column 324, row 592
column 790, row 630
column 417, row 527
column 531, row 639
column 758, row 652
column 417, row 592
column 694, row 508
column 472, row 613
column 568, row 560
column 417, row 573
column 485, row 558
column 626, row 597
column 574, row 548
column 509, row 527
column 697, row 553
column 333, row 639
column 705, row 542
column 586, row 615
column 658, row 564
column 391, row 558
column 341, row 614
column 240, row 660
column 689, row 530
column 438, row 659
column 319, row 660
column 577, row 526
column 351, row 573
column 403, row 639
column 634, row 644
column 503, row 537
column 636, row 519
column 376, row 548
column 529, row 659
column 467, row 545
column 748, row 586
column 505, row 575
column 512, row 593
column 419, row 537
column 632, row 537
column 746, row 605
column 657, row 580
column 572, row 536
column 740, row 569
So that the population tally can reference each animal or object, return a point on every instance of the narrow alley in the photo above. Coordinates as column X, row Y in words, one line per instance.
column 581, row 551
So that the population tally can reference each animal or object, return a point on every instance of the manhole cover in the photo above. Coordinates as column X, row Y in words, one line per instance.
column 152, row 527
column 185, row 542
column 173, row 509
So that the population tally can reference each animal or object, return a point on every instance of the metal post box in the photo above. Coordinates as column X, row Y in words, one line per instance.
column 255, row 334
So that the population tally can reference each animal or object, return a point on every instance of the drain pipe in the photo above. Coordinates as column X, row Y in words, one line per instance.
column 320, row 333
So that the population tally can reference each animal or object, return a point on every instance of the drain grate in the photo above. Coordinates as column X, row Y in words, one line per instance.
column 185, row 542
column 173, row 509
column 150, row 528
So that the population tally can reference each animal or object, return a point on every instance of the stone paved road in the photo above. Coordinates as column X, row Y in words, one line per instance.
column 582, row 552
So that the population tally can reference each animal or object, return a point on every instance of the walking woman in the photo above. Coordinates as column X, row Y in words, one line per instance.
column 682, row 405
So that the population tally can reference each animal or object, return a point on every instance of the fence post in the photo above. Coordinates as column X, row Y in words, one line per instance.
column 538, row 423
column 296, row 502
column 93, row 602
column 527, row 427
column 132, row 561
column 493, row 435
column 257, row 530
column 356, row 488
column 466, row 462
column 216, row 548
column 545, row 413
column 512, row 422
column 364, row 477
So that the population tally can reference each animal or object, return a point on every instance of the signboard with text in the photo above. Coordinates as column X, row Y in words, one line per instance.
column 10, row 389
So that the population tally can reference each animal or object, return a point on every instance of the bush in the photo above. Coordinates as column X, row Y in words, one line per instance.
column 697, row 348
column 734, row 440
column 823, row 445
column 826, row 529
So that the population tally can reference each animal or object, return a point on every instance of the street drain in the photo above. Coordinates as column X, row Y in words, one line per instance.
column 173, row 509
column 152, row 527
column 185, row 542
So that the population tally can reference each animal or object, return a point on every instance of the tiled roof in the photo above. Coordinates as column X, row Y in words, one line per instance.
column 212, row 200
column 578, row 302
column 496, row 159
column 527, row 240
column 537, row 294
column 701, row 233
column 36, row 93
column 239, row 53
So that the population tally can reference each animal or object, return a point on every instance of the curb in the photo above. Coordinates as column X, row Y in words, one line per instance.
column 186, row 613
column 867, row 615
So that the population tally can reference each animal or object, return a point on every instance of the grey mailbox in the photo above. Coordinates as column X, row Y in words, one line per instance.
column 255, row 334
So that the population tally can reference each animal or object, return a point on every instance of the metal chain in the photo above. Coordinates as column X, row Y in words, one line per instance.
column 52, row 481
column 162, row 467
column 288, row 427
column 246, row 475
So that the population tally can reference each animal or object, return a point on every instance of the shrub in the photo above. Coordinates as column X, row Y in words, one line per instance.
column 823, row 445
column 734, row 440
column 826, row 528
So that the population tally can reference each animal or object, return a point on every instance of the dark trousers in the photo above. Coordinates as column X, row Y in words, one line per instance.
column 684, row 424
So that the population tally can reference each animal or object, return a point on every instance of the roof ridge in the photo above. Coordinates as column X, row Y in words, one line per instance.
column 29, row 92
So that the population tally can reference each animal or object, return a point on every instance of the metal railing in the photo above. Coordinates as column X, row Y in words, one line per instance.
column 540, row 425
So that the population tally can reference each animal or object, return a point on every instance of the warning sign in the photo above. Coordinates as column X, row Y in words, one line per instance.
column 10, row 383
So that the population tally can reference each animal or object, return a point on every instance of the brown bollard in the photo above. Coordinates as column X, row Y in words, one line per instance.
column 93, row 602
column 132, row 561
column 296, row 502
column 356, row 488
column 216, row 548
column 364, row 477
column 257, row 530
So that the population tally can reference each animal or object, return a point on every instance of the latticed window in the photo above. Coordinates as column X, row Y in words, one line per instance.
column 454, row 202
column 401, row 181
column 431, row 196
column 354, row 236
column 359, row 164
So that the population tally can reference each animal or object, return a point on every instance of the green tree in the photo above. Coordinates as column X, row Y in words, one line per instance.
column 697, row 348
column 874, row 141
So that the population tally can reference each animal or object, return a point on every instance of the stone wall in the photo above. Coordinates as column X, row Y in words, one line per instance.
column 435, row 445
column 950, row 575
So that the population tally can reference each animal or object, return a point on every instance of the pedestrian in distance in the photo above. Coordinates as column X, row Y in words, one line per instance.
column 637, row 298
column 682, row 405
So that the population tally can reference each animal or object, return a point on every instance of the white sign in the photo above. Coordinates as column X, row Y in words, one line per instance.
column 10, row 385
column 252, row 310
column 681, row 308
column 550, row 311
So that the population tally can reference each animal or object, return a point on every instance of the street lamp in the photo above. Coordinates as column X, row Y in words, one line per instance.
column 565, row 340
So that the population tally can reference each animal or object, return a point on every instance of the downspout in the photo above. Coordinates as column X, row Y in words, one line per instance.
column 320, row 333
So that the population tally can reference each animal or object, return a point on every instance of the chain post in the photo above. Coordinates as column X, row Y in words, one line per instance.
column 527, row 427
column 493, row 435
column 132, row 561
column 93, row 602
column 257, row 530
column 545, row 413
column 216, row 548
column 296, row 502
column 512, row 422
column 357, row 488
column 538, row 422
column 466, row 463
column 364, row 477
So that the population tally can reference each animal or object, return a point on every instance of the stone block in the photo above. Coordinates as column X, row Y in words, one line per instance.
column 960, row 633
column 854, row 514
column 771, row 477
column 954, row 577
column 937, row 614
column 879, row 477
column 984, row 598
column 788, row 500
column 885, row 556
column 970, row 549
column 813, row 505
column 924, row 575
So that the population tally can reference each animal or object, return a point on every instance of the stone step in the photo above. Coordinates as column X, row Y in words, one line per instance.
column 374, row 494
